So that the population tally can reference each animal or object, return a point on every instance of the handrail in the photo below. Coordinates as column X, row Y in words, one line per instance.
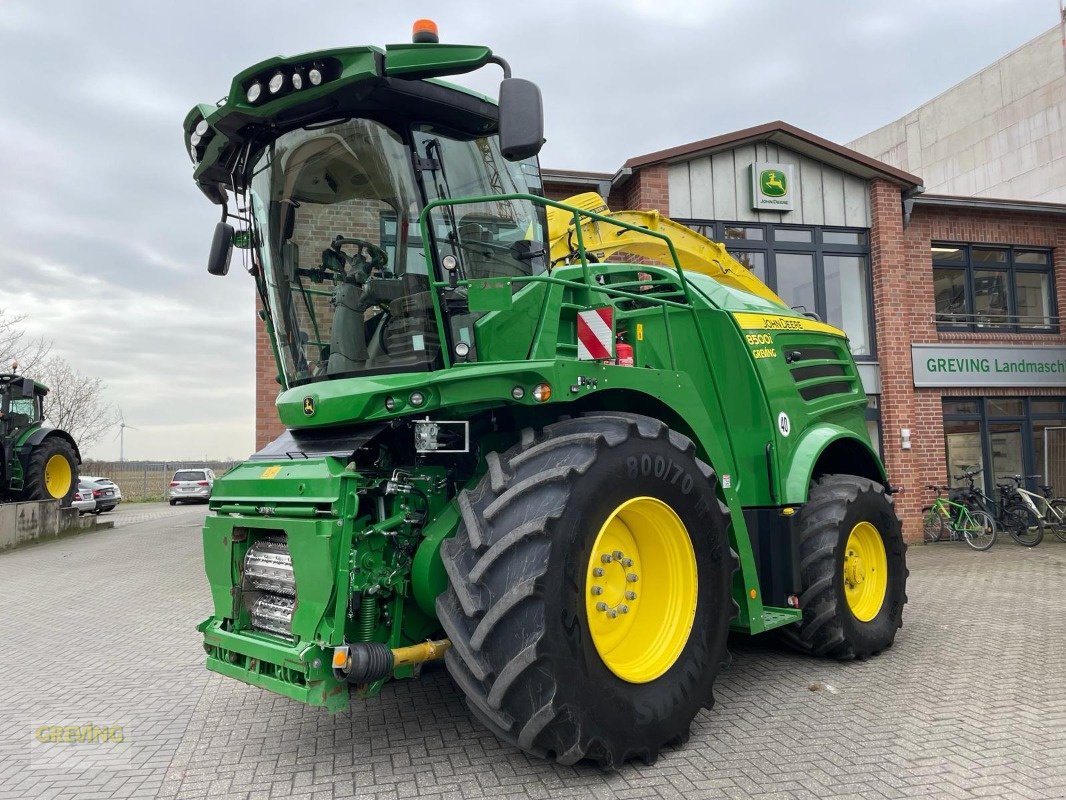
column 576, row 213
column 1034, row 321
column 587, row 283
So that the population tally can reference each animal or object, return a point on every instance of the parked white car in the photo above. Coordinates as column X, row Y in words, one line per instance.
column 191, row 484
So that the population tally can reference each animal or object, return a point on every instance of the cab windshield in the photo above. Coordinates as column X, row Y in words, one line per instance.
column 336, row 211
column 332, row 207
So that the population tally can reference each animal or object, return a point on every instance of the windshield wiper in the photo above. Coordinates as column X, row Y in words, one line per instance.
column 444, row 192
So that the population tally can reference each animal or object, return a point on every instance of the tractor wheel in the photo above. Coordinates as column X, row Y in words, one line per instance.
column 51, row 472
column 853, row 570
column 589, row 592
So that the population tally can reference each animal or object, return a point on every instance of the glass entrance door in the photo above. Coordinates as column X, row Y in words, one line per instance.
column 1006, row 441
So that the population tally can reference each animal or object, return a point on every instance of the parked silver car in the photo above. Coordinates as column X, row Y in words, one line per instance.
column 190, row 484
column 83, row 498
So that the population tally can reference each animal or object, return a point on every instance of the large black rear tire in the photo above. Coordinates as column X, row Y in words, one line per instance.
column 516, row 609
column 50, row 461
column 837, row 505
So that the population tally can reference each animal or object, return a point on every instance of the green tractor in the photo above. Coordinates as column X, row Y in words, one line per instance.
column 568, row 475
column 36, row 462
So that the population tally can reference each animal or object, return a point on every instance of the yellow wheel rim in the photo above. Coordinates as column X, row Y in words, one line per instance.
column 57, row 476
column 865, row 572
column 640, row 589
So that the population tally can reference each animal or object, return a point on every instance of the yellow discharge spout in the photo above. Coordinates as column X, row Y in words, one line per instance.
column 695, row 253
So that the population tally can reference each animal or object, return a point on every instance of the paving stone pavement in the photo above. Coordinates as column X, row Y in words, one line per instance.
column 99, row 631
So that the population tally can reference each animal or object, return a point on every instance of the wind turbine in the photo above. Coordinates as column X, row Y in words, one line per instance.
column 122, row 435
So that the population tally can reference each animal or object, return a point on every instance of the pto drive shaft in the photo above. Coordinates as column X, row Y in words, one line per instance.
column 366, row 662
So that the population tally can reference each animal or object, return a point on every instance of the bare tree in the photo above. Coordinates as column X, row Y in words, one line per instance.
column 75, row 402
column 16, row 346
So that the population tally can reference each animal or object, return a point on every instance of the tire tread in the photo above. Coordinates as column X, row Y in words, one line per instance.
column 497, row 636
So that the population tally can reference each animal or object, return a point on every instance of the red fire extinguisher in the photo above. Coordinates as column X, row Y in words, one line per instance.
column 624, row 354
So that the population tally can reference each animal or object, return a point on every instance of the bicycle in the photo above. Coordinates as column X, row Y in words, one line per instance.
column 976, row 528
column 1032, row 511
column 1058, row 504
column 976, row 500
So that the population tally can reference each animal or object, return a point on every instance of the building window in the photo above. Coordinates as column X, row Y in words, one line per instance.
column 1006, row 436
column 821, row 271
column 985, row 288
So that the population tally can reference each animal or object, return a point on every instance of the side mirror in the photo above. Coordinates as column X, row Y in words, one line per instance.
column 221, row 249
column 521, row 119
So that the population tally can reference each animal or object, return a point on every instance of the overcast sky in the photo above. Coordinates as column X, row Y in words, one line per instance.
column 103, row 236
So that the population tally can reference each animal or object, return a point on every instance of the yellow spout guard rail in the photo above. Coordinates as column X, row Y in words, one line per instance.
column 694, row 252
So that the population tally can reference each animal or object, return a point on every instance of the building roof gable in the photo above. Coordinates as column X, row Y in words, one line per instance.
column 796, row 139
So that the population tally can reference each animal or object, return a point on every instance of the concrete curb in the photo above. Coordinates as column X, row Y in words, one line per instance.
column 40, row 520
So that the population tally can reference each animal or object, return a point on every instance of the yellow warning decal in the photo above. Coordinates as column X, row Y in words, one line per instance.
column 270, row 472
column 640, row 332
column 780, row 322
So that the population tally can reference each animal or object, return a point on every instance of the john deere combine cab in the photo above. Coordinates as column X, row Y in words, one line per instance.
column 569, row 475
column 36, row 462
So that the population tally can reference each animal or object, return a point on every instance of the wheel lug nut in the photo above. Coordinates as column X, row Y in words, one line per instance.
column 611, row 614
column 598, row 572
column 597, row 590
column 632, row 577
column 627, row 562
column 631, row 595
column 617, row 555
column 601, row 606
column 605, row 558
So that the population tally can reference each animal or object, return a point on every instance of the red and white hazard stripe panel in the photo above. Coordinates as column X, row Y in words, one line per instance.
column 594, row 339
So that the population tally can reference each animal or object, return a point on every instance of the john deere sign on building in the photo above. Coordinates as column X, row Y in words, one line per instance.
column 771, row 186
column 988, row 365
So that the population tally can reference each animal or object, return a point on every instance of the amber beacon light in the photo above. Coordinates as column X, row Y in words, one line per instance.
column 424, row 31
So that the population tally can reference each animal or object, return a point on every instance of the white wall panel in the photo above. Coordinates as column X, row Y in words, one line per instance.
column 718, row 187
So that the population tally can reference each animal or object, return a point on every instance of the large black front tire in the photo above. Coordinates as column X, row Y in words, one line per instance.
column 35, row 481
column 829, row 627
column 515, row 609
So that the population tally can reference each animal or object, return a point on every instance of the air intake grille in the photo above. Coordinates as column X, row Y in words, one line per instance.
column 820, row 370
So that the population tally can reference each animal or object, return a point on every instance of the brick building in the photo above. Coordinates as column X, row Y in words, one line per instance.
column 951, row 303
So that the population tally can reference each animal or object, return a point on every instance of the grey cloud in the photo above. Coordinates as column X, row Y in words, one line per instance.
column 104, row 235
